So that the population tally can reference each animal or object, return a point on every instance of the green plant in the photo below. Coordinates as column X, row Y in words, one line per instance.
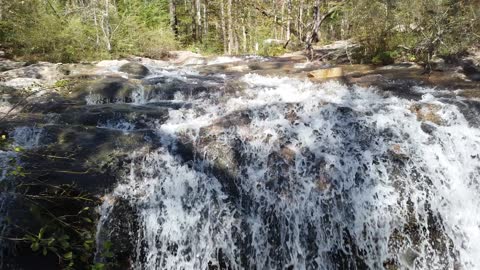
column 272, row 50
column 61, row 83
column 384, row 58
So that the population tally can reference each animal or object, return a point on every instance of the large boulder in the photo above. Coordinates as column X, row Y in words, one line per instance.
column 136, row 70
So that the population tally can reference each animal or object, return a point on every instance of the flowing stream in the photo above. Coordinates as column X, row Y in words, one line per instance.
column 264, row 172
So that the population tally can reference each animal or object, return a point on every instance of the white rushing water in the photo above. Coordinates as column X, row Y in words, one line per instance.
column 315, row 176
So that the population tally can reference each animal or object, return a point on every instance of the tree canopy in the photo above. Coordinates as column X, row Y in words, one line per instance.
column 75, row 30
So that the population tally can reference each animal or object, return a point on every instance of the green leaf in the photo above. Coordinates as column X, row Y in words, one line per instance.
column 68, row 256
column 83, row 210
column 51, row 241
column 41, row 232
column 65, row 244
column 108, row 254
column 87, row 220
column 107, row 245
column 98, row 266
column 44, row 252
column 35, row 246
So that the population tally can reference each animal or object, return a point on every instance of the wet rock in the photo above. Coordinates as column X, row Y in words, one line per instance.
column 10, row 95
column 25, row 83
column 239, row 68
column 398, row 152
column 322, row 183
column 114, row 116
column 427, row 112
column 427, row 128
column 77, row 70
column 48, row 73
column 6, row 65
column 326, row 73
column 118, row 229
column 135, row 69
column 111, row 63
column 471, row 65
column 91, row 158
column 367, row 80
column 107, row 90
column 439, row 64
column 156, row 80
column 186, row 58
column 404, row 65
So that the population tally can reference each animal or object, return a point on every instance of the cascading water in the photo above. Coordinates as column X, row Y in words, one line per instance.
column 287, row 174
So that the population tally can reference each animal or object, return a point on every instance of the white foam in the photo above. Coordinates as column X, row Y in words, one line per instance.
column 362, row 164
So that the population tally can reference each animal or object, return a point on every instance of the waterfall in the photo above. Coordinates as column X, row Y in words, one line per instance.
column 283, row 173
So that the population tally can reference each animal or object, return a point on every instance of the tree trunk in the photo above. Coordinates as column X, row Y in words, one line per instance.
column 95, row 21
column 283, row 28
column 244, row 35
column 106, row 29
column 205, row 18
column 230, row 27
column 172, row 7
column 313, row 37
column 1, row 10
column 224, row 28
column 300, row 20
column 198, row 21
column 289, row 20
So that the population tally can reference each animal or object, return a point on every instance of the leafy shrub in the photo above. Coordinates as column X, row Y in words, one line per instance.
column 272, row 50
column 384, row 58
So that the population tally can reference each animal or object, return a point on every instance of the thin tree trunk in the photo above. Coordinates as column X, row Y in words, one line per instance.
column 313, row 37
column 283, row 28
column 244, row 35
column 1, row 10
column 289, row 20
column 106, row 26
column 230, row 27
column 205, row 18
column 172, row 7
column 95, row 21
column 300, row 20
column 198, row 17
column 224, row 28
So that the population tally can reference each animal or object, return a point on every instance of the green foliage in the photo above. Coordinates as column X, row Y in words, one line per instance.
column 69, row 236
column 35, row 31
column 384, row 58
column 61, row 83
column 423, row 28
column 72, row 31
column 272, row 50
